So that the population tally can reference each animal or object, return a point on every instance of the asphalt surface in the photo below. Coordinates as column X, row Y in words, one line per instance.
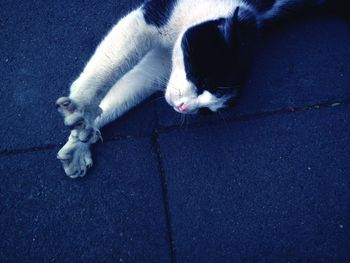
column 265, row 181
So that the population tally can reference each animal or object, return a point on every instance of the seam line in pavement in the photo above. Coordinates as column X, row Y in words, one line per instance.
column 170, row 128
column 256, row 116
column 46, row 147
column 165, row 193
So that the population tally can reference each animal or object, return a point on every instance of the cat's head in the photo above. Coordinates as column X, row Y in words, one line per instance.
column 208, row 61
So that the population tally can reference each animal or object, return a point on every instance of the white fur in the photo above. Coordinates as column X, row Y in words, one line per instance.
column 140, row 82
column 127, row 42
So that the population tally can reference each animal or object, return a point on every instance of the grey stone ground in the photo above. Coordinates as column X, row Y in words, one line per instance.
column 266, row 181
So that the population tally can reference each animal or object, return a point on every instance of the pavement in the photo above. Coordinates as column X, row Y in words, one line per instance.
column 265, row 181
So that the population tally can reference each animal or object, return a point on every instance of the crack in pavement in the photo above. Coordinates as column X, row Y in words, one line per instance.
column 165, row 193
column 216, row 122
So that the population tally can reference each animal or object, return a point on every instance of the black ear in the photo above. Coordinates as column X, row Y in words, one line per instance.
column 228, row 27
column 240, row 29
column 240, row 32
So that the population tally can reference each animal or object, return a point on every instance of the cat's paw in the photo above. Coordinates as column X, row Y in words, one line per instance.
column 75, row 155
column 65, row 106
column 72, row 114
column 78, row 118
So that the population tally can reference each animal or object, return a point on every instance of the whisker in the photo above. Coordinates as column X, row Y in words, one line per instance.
column 156, row 99
column 162, row 82
column 183, row 118
column 188, row 121
column 222, row 117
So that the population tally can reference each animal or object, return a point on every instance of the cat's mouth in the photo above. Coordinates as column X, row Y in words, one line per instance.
column 182, row 108
column 205, row 100
column 185, row 109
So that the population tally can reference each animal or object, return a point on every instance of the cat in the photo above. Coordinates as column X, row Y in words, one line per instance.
column 198, row 49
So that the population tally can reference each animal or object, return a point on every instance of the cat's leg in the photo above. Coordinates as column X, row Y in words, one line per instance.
column 149, row 76
column 144, row 79
column 128, row 41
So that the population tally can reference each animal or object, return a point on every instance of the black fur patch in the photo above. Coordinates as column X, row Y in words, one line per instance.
column 208, row 59
column 261, row 5
column 158, row 12
column 216, row 52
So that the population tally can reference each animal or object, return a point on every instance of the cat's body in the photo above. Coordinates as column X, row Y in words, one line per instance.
column 197, row 48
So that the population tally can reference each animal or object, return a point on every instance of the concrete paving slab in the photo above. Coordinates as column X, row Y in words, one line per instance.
column 43, row 48
column 139, row 122
column 303, row 63
column 265, row 190
column 115, row 214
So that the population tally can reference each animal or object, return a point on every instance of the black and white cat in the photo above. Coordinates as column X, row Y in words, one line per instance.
column 196, row 48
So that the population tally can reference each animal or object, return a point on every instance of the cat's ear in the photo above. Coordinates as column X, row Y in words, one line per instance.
column 227, row 26
column 240, row 29
column 240, row 32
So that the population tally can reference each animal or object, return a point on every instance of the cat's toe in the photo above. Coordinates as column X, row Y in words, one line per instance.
column 86, row 135
column 78, row 173
column 89, row 135
column 75, row 121
column 88, row 160
column 82, row 131
column 75, row 157
column 65, row 106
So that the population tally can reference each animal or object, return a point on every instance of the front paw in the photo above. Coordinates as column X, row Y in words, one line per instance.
column 65, row 106
column 75, row 157
column 79, row 118
column 72, row 114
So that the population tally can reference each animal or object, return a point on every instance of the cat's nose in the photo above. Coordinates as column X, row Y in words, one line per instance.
column 182, row 108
